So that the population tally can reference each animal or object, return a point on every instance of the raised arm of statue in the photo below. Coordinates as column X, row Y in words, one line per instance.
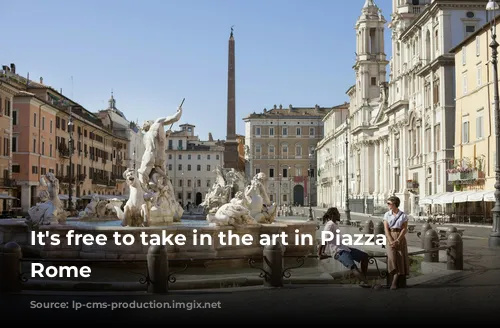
column 170, row 119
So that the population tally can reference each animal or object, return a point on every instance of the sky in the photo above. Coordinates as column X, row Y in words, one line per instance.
column 154, row 53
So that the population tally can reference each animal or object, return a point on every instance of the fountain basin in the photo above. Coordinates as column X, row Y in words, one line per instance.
column 17, row 230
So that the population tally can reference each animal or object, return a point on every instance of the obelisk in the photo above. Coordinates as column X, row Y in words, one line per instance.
column 231, row 144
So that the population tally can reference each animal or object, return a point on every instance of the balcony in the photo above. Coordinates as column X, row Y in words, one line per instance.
column 64, row 153
column 469, row 177
column 7, row 183
column 412, row 186
column 65, row 179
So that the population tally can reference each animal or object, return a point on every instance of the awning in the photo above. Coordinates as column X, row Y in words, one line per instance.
column 427, row 200
column 463, row 196
column 5, row 196
column 445, row 198
column 477, row 196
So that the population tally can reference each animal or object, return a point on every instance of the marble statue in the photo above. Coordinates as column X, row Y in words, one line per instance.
column 250, row 206
column 50, row 209
column 135, row 211
column 152, row 199
column 226, row 184
column 154, row 142
column 100, row 208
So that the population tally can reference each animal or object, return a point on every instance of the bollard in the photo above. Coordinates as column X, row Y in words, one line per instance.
column 273, row 264
column 425, row 227
column 455, row 253
column 368, row 227
column 10, row 268
column 431, row 240
column 157, row 269
column 450, row 230
column 379, row 228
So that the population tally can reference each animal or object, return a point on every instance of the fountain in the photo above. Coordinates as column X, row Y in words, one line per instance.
column 152, row 208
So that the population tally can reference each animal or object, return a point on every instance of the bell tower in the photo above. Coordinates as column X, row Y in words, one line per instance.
column 371, row 59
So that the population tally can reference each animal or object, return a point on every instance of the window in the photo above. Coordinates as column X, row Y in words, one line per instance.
column 271, row 149
column 14, row 144
column 258, row 149
column 480, row 125
column 465, row 132
column 50, row 150
column 285, row 131
column 311, row 131
column 285, row 173
column 208, row 156
column 478, row 75
column 189, row 167
column 271, row 131
column 437, row 137
column 34, row 120
column 179, row 156
column 271, row 173
column 217, row 157
column 43, row 123
column 374, row 81
column 189, row 156
column 478, row 49
column 299, row 131
column 50, row 126
column 179, row 167
column 170, row 167
column 34, row 145
column 169, row 156
column 298, row 150
column 469, row 29
column 198, row 167
column 464, row 55
column 198, row 157
column 208, row 168
column 14, row 117
column 257, row 131
column 464, row 86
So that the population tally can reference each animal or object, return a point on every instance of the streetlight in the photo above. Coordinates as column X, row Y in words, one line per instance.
column 309, row 173
column 347, row 209
column 182, row 200
column 70, row 173
column 494, row 238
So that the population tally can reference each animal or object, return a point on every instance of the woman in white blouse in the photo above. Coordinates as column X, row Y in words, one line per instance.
column 396, row 227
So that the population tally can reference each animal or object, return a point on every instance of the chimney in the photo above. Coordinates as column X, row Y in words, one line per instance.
column 41, row 80
column 4, row 68
column 13, row 68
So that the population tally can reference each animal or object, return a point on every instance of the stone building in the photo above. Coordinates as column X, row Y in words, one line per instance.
column 191, row 163
column 402, row 130
column 41, row 144
column 7, row 183
column 281, row 143
column 331, row 157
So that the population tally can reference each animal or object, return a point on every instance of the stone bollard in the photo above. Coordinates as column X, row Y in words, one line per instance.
column 431, row 240
column 379, row 228
column 10, row 268
column 273, row 264
column 455, row 259
column 425, row 227
column 368, row 227
column 158, row 269
column 451, row 230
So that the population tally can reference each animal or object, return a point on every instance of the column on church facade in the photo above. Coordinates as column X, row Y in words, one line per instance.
column 381, row 166
column 376, row 167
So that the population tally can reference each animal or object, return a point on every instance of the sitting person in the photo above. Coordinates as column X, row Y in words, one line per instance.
column 344, row 254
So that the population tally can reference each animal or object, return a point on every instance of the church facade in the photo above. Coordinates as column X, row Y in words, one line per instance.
column 401, row 130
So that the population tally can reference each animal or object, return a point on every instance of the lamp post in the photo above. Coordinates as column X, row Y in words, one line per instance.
column 309, row 173
column 494, row 238
column 70, row 171
column 347, row 209
column 182, row 199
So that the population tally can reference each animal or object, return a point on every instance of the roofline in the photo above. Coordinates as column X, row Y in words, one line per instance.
column 468, row 40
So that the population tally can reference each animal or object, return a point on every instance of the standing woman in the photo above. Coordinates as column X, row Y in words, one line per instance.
column 396, row 227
